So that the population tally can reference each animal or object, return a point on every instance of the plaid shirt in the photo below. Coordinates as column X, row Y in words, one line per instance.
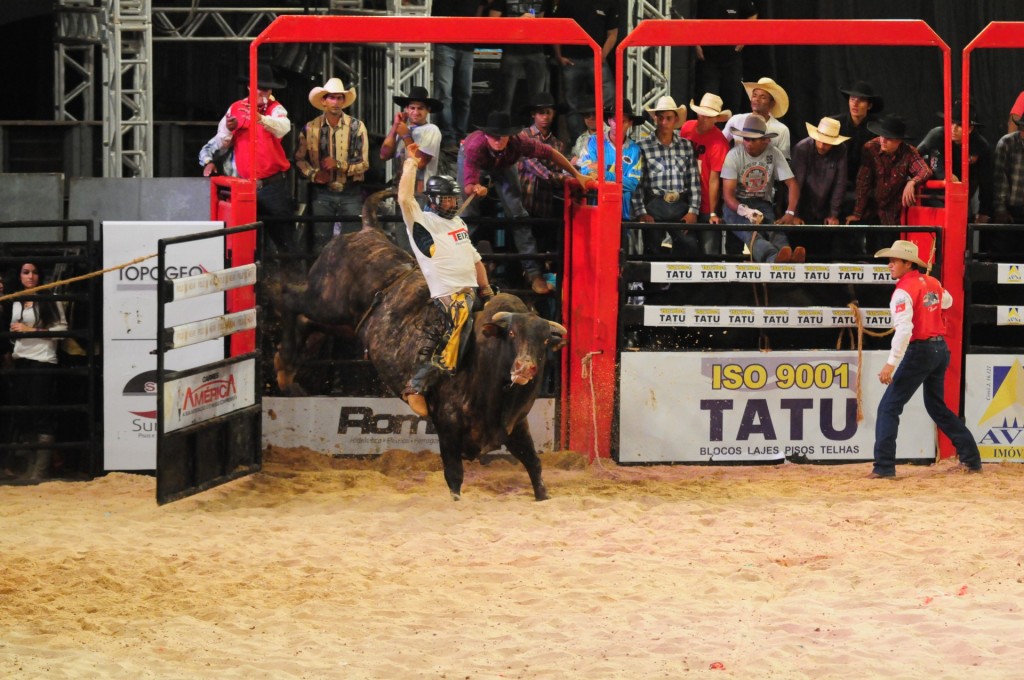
column 669, row 168
column 1009, row 173
column 882, row 178
column 539, row 179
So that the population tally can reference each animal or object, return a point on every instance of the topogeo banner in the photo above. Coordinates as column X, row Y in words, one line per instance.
column 711, row 407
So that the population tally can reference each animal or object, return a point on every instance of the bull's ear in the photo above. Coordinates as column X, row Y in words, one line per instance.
column 556, row 342
column 491, row 330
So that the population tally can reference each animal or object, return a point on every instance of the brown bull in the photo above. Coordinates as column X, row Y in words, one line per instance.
column 363, row 279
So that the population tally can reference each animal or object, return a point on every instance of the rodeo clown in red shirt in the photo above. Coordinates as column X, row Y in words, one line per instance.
column 919, row 356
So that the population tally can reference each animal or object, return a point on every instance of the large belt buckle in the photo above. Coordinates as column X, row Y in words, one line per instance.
column 259, row 184
column 670, row 196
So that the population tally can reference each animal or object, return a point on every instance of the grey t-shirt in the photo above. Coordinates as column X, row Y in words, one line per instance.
column 756, row 175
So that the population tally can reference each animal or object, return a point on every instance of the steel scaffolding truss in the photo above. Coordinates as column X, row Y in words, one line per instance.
column 648, row 72
column 128, row 89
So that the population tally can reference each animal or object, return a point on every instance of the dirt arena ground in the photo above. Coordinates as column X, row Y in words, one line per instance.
column 323, row 568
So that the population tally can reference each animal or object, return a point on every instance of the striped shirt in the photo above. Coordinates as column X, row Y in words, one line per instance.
column 540, row 179
column 670, row 168
column 882, row 178
column 1009, row 173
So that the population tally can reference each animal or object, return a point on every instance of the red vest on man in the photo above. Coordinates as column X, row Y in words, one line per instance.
column 926, row 293
column 270, row 156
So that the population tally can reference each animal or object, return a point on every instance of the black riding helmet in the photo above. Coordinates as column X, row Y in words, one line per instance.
column 441, row 186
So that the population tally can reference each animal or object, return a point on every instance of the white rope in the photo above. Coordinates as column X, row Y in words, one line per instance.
column 587, row 374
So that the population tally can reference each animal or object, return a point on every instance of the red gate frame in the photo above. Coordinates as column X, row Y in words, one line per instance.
column 590, row 290
column 589, row 229
column 836, row 32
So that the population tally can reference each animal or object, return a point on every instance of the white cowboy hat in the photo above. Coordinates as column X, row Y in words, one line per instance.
column 781, row 104
column 711, row 106
column 332, row 86
column 902, row 250
column 666, row 103
column 826, row 132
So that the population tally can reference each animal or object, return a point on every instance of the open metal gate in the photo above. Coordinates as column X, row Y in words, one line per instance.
column 209, row 417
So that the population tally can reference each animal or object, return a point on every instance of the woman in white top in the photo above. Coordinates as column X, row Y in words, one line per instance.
column 34, row 381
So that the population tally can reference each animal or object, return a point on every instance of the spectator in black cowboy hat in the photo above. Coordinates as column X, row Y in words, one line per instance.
column 542, row 180
column 890, row 173
column 863, row 106
column 493, row 151
column 589, row 113
column 231, row 143
column 412, row 124
column 932, row 147
column 632, row 166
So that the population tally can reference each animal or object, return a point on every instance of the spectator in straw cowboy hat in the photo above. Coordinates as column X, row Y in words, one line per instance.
column 819, row 164
column 748, row 184
column 231, row 147
column 770, row 101
column 670, row 188
column 334, row 155
column 710, row 147
column 919, row 357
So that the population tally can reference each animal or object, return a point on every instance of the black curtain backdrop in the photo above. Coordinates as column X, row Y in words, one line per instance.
column 908, row 78
column 196, row 81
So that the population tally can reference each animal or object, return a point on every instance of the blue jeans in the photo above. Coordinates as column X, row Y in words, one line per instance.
column 681, row 244
column 347, row 203
column 768, row 243
column 273, row 200
column 578, row 91
column 505, row 182
column 453, row 86
column 924, row 364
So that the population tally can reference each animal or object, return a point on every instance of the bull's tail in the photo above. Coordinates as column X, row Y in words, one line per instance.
column 370, row 205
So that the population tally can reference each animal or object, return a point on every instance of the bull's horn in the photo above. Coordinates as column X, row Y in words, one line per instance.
column 558, row 328
column 502, row 318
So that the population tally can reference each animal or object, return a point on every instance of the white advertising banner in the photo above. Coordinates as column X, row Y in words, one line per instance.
column 202, row 396
column 754, row 272
column 764, row 317
column 358, row 426
column 129, row 331
column 1010, row 273
column 994, row 405
column 711, row 407
column 1009, row 316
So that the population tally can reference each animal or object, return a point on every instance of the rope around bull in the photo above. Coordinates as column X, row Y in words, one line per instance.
column 74, row 279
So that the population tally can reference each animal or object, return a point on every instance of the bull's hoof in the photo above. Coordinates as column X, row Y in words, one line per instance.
column 456, row 496
column 541, row 494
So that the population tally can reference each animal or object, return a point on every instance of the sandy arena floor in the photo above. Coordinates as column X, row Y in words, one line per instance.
column 322, row 568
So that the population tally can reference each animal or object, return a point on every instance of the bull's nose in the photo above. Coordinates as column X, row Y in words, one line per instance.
column 523, row 371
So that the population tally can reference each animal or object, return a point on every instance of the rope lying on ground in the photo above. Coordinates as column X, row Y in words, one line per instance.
column 74, row 279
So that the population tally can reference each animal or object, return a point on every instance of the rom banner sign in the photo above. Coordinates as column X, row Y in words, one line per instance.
column 710, row 407
column 361, row 426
